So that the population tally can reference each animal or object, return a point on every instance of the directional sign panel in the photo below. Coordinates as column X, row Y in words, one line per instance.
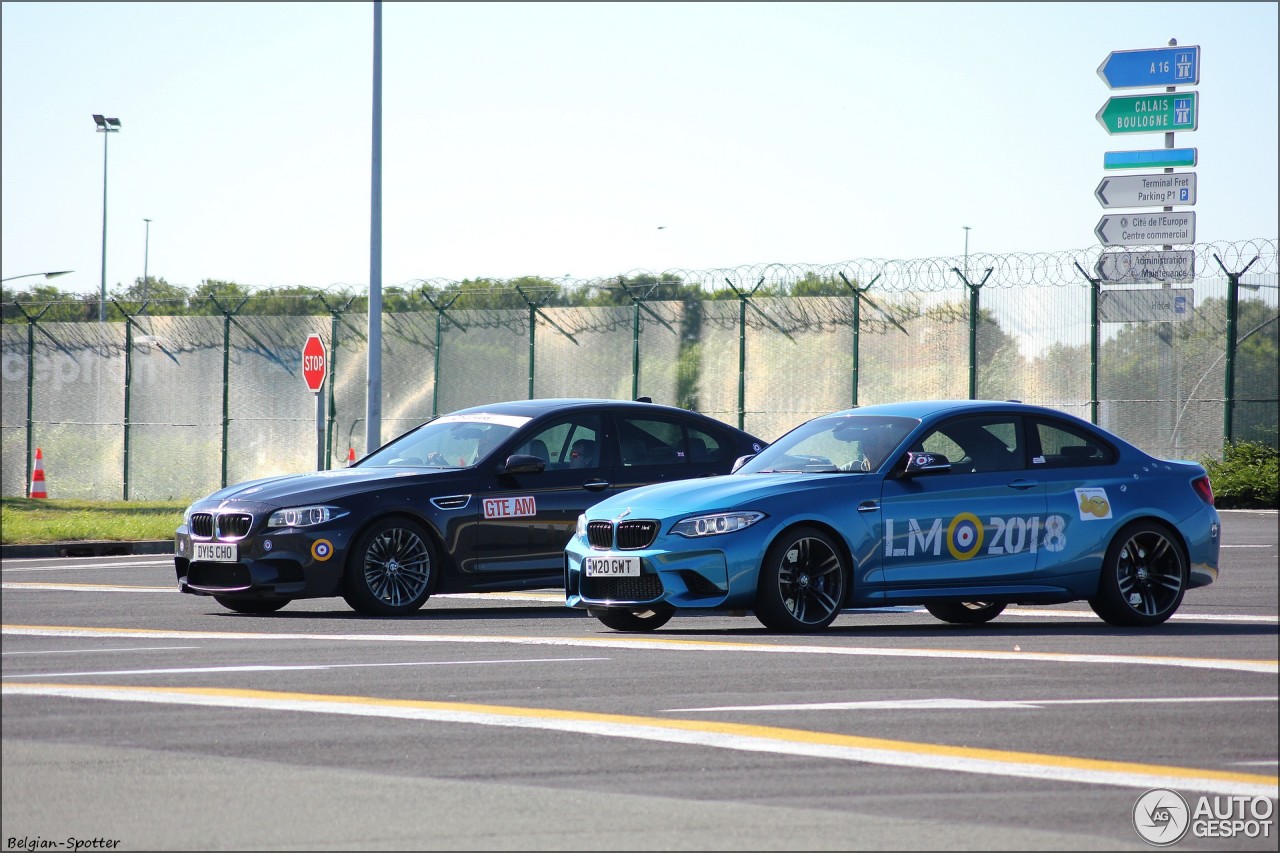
column 1147, row 229
column 1176, row 265
column 1163, row 305
column 1158, row 66
column 1167, row 190
column 1156, row 158
column 1163, row 112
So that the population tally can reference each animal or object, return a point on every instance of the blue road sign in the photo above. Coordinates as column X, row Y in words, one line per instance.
column 1157, row 66
column 1155, row 158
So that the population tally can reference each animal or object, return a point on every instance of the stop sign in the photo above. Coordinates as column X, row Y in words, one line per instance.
column 315, row 362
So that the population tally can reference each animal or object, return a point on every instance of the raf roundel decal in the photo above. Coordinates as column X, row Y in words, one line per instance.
column 321, row 550
column 964, row 536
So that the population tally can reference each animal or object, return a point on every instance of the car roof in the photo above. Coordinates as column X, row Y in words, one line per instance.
column 537, row 407
column 921, row 409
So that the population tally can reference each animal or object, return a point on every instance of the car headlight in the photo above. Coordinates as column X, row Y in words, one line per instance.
column 582, row 526
column 715, row 523
column 304, row 516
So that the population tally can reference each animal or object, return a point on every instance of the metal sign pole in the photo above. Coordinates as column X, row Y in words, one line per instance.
column 320, row 455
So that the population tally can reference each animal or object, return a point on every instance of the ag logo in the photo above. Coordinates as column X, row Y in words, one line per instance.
column 321, row 550
column 1161, row 817
column 964, row 536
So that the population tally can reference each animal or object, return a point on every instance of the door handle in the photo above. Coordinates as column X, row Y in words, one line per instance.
column 869, row 506
column 1021, row 484
column 596, row 485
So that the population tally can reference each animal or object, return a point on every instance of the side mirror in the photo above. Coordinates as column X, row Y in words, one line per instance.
column 519, row 463
column 740, row 461
column 925, row 463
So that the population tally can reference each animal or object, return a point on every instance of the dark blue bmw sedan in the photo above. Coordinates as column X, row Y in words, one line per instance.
column 482, row 499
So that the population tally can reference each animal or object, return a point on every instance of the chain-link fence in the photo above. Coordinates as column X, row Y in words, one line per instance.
column 169, row 400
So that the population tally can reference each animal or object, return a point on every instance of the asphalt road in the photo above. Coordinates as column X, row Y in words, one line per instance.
column 135, row 718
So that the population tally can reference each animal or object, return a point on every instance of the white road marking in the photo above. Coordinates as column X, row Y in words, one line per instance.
column 1266, row 667
column 966, row 704
column 735, row 736
column 83, row 587
column 1031, row 613
column 84, row 567
column 96, row 651
column 193, row 670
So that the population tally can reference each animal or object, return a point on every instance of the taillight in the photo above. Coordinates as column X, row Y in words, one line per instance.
column 1204, row 489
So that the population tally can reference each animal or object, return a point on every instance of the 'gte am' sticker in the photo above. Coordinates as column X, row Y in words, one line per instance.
column 515, row 507
column 321, row 550
column 1093, row 504
column 967, row 536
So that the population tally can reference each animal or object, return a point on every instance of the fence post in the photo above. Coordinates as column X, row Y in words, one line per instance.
column 637, row 302
column 973, row 327
column 859, row 294
column 1233, row 318
column 535, row 308
column 744, row 300
column 1095, row 285
column 128, row 382
column 440, row 318
column 226, row 379
column 31, row 374
column 334, row 315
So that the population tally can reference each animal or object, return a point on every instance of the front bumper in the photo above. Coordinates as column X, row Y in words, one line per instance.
column 682, row 579
column 283, row 563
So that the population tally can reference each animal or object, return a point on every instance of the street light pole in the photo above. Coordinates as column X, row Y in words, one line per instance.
column 106, row 126
column 34, row 274
column 146, row 253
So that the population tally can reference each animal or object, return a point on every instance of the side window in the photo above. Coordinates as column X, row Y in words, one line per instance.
column 707, row 447
column 1062, row 445
column 649, row 441
column 979, row 444
column 567, row 444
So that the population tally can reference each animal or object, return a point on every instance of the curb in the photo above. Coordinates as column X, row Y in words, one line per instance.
column 86, row 549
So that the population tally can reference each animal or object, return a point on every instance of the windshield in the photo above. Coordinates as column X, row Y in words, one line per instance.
column 449, row 441
column 833, row 444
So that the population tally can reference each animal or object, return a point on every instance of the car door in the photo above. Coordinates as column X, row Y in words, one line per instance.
column 525, row 520
column 1081, row 481
column 980, row 523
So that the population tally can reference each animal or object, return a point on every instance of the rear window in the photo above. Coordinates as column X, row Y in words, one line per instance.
column 1064, row 446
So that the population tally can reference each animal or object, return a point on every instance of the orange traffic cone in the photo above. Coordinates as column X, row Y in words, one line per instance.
column 37, row 478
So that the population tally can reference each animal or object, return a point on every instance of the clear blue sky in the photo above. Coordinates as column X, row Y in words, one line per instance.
column 555, row 138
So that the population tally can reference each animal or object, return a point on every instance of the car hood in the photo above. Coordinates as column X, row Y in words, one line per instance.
column 319, row 486
column 729, row 491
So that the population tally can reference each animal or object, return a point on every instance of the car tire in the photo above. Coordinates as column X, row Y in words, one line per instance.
column 633, row 621
column 391, row 569
column 1144, row 576
column 802, row 583
column 965, row 612
column 251, row 605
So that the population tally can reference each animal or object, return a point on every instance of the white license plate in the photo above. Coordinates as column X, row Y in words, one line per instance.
column 612, row 566
column 215, row 552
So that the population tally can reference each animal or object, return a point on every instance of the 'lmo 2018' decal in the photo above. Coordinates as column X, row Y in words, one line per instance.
column 965, row 536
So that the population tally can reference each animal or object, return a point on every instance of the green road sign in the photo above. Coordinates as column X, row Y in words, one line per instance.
column 1164, row 112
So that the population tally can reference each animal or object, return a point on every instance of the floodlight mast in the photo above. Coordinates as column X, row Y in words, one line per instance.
column 106, row 126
